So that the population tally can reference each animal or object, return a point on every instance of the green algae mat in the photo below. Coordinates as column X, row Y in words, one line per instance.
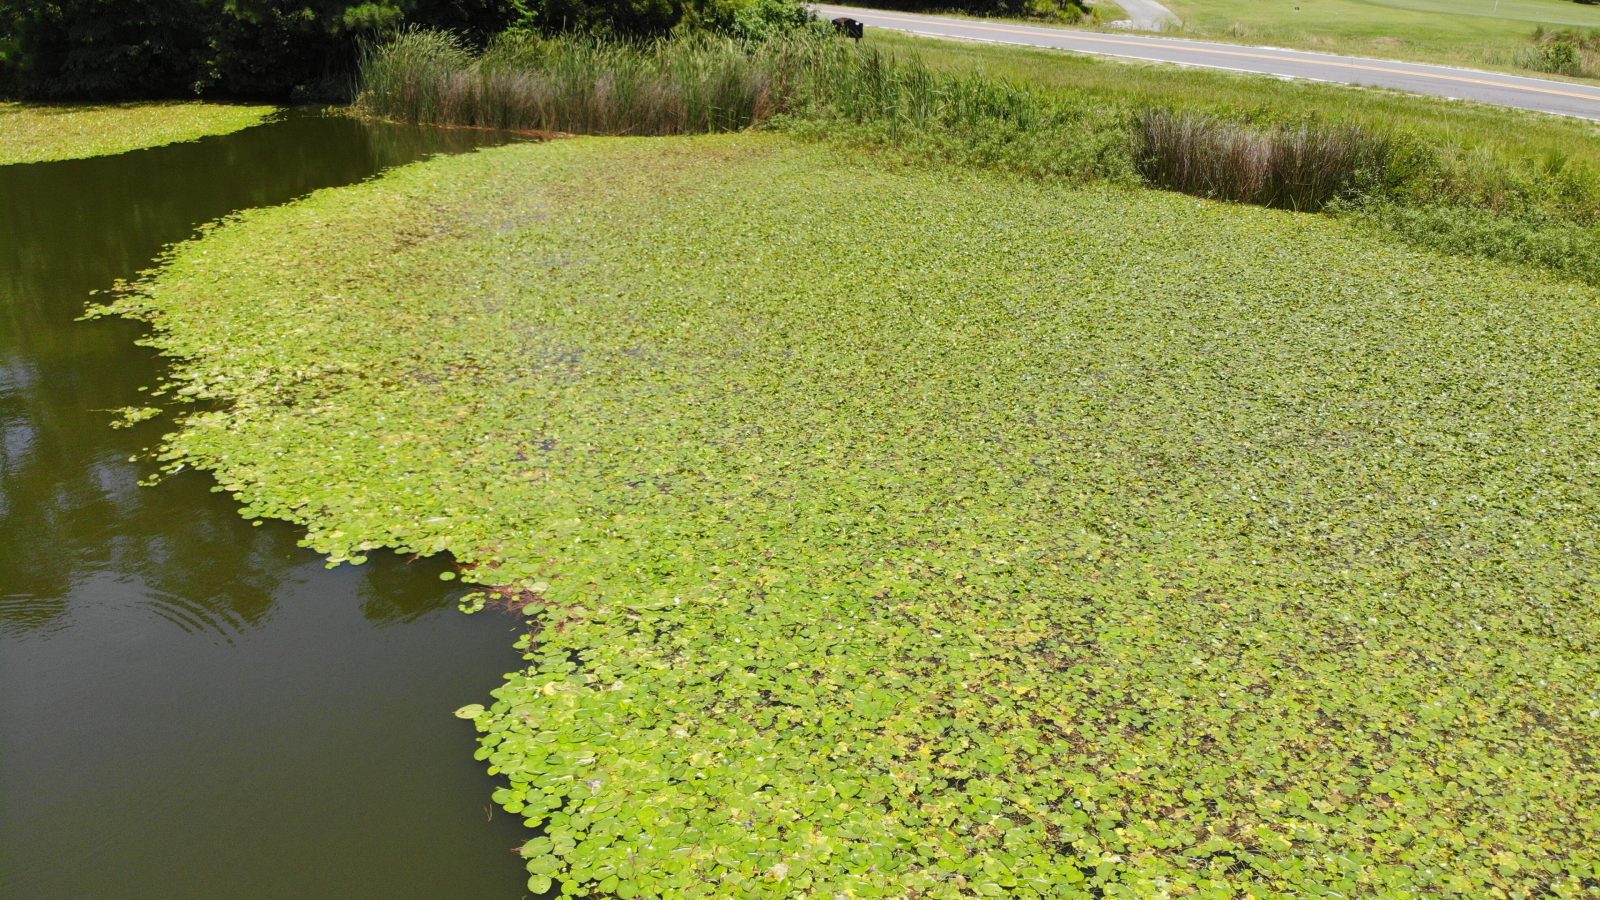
column 40, row 133
column 911, row 533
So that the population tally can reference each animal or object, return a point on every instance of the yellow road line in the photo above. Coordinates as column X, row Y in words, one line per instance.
column 1242, row 54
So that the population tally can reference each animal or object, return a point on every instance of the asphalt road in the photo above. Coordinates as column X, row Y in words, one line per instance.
column 1560, row 97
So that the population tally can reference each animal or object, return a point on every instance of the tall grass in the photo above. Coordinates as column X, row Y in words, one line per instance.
column 884, row 101
column 1304, row 167
column 701, row 83
column 578, row 85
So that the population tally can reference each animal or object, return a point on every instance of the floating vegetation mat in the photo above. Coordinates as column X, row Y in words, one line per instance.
column 913, row 533
column 43, row 132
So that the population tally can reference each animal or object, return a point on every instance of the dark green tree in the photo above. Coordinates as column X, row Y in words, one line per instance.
column 57, row 49
column 631, row 17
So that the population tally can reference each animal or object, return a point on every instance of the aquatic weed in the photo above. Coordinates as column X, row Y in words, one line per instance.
column 928, row 533
column 34, row 132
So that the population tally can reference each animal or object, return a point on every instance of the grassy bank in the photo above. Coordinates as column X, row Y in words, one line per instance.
column 1495, row 134
column 925, row 532
column 1474, row 179
column 37, row 133
column 823, row 87
column 1523, row 166
column 1450, row 179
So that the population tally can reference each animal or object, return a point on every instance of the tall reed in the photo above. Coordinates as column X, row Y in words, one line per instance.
column 580, row 85
column 702, row 83
column 1291, row 167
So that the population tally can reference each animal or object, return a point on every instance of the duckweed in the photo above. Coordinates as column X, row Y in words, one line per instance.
column 919, row 533
column 40, row 132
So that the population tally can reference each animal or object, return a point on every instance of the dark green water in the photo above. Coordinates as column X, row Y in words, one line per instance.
column 190, row 706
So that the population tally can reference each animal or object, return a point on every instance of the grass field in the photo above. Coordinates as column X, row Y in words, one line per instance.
column 1465, row 32
column 38, row 132
column 919, row 532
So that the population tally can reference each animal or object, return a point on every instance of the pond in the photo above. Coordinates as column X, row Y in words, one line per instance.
column 191, row 706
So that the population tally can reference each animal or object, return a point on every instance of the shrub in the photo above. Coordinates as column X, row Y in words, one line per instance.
column 765, row 19
column 607, row 17
column 1556, row 57
column 1563, row 51
column 654, row 18
column 1070, row 10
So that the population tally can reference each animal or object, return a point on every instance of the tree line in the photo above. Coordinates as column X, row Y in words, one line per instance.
column 289, row 49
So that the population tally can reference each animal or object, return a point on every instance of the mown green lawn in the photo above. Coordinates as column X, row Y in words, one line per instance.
column 906, row 532
column 39, row 132
column 1468, row 32
column 1475, row 33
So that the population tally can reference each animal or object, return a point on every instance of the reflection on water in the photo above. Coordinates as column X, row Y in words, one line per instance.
column 69, row 503
column 189, row 705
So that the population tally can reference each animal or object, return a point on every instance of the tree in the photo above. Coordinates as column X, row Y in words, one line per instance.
column 60, row 49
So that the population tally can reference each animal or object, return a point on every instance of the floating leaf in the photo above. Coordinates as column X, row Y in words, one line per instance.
column 935, row 533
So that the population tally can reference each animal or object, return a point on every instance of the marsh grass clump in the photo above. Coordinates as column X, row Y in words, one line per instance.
column 1301, row 167
column 698, row 84
column 410, row 76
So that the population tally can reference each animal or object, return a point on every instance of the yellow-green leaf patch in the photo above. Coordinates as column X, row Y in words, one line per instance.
column 919, row 533
column 41, row 132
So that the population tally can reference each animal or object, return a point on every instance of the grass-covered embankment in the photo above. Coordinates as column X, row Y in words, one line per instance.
column 40, row 133
column 1478, row 135
column 1445, row 180
column 1461, row 177
column 937, row 533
